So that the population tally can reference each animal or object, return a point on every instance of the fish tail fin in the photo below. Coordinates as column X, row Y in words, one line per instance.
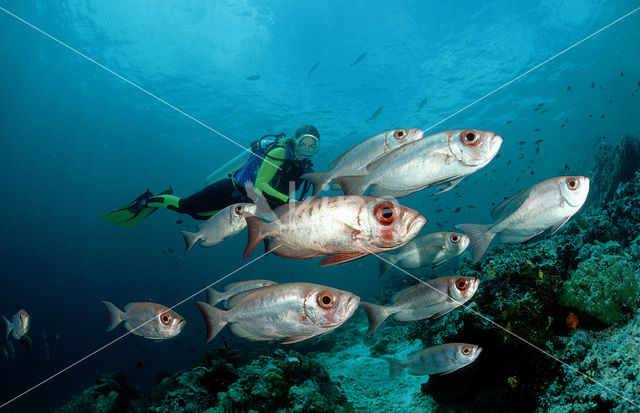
column 385, row 263
column 190, row 238
column 114, row 314
column 7, row 323
column 395, row 366
column 319, row 181
column 480, row 237
column 350, row 185
column 213, row 296
column 376, row 314
column 212, row 318
column 255, row 228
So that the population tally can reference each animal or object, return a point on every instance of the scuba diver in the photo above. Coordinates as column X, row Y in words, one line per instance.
column 269, row 169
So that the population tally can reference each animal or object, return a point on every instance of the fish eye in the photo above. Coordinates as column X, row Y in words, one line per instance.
column 469, row 137
column 572, row 183
column 454, row 238
column 325, row 300
column 239, row 210
column 466, row 350
column 384, row 213
column 461, row 284
column 399, row 134
column 165, row 318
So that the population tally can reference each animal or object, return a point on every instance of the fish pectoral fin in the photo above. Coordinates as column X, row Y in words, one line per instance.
column 556, row 227
column 447, row 186
column 295, row 339
column 341, row 258
column 507, row 238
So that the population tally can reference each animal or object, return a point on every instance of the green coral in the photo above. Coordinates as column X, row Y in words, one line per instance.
column 603, row 286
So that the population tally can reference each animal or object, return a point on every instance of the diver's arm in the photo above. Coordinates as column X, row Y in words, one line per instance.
column 268, row 169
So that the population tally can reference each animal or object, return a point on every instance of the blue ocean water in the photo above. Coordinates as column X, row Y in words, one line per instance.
column 77, row 140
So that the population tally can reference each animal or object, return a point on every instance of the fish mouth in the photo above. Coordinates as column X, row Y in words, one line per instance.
column 496, row 143
column 414, row 225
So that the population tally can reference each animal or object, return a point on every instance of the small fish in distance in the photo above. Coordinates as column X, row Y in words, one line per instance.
column 430, row 250
column 359, row 59
column 425, row 300
column 441, row 359
column 19, row 325
column 224, row 224
column 148, row 320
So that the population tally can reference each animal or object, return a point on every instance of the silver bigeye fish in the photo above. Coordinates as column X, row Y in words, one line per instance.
column 432, row 249
column 354, row 161
column 149, row 320
column 288, row 312
column 443, row 159
column 18, row 326
column 530, row 215
column 224, row 224
column 346, row 227
column 441, row 359
column 432, row 298
column 214, row 297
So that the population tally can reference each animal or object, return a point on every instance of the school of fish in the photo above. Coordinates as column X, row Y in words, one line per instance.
column 365, row 220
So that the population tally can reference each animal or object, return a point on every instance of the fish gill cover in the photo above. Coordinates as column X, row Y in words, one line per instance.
column 168, row 90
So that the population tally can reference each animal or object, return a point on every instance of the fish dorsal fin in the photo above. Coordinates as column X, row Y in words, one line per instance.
column 335, row 161
column 400, row 293
column 235, row 299
column 509, row 205
column 380, row 159
column 242, row 332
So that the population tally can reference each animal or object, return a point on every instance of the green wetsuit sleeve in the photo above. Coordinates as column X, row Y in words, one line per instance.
column 268, row 169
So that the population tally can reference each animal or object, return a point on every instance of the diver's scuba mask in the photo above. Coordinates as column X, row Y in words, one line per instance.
column 307, row 145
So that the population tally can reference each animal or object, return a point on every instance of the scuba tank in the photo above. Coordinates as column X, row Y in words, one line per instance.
column 260, row 147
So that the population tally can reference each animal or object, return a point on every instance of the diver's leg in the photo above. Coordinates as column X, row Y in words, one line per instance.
column 208, row 201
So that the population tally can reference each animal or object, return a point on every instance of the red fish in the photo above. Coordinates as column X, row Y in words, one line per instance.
column 346, row 227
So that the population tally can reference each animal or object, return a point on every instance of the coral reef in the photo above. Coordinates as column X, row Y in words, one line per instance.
column 615, row 164
column 605, row 285
column 112, row 394
column 607, row 357
column 284, row 382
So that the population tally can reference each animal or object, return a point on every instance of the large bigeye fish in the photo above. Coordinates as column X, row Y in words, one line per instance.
column 18, row 326
column 443, row 159
column 441, row 359
column 530, row 215
column 431, row 250
column 214, row 297
column 346, row 227
column 288, row 312
column 149, row 320
column 432, row 298
column 224, row 224
column 354, row 161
